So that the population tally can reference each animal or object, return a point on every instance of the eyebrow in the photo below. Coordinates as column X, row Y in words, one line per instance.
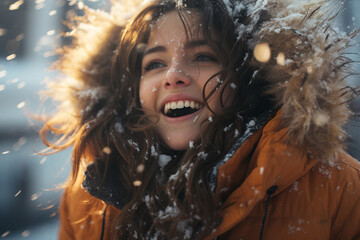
column 155, row 49
column 188, row 45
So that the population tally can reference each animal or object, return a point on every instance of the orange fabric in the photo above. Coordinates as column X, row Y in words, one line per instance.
column 81, row 215
column 313, row 200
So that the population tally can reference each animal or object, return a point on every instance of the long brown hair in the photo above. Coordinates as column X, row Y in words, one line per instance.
column 171, row 200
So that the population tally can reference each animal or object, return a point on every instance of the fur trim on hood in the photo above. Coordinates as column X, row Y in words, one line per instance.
column 308, row 70
column 307, row 67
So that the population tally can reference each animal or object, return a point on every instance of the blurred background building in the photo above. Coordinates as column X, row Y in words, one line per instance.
column 30, row 31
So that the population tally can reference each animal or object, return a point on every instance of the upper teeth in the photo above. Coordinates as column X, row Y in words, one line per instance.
column 181, row 104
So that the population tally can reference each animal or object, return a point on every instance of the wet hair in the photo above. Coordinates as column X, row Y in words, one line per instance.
column 173, row 200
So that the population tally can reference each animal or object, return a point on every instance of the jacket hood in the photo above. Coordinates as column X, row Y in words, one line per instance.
column 307, row 70
column 307, row 64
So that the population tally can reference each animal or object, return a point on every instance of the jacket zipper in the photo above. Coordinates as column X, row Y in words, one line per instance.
column 269, row 192
column 103, row 224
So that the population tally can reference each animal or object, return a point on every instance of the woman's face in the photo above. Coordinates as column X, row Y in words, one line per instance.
column 174, row 71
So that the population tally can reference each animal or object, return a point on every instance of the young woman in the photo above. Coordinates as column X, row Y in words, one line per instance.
column 204, row 119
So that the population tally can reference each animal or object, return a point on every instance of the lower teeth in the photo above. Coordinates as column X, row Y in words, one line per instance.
column 180, row 112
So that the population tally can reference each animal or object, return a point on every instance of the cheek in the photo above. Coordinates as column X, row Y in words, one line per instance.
column 142, row 94
column 203, row 78
column 147, row 94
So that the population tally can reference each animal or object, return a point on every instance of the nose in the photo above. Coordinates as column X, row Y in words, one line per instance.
column 176, row 77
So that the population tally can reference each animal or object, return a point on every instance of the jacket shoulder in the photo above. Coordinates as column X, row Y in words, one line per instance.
column 345, row 170
column 80, row 214
column 347, row 161
column 344, row 193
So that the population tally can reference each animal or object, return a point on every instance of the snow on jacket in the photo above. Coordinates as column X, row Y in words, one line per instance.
column 299, row 184
column 306, row 198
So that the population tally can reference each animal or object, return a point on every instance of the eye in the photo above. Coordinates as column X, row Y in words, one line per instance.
column 205, row 58
column 153, row 65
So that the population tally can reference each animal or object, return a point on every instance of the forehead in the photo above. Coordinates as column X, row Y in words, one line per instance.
column 171, row 28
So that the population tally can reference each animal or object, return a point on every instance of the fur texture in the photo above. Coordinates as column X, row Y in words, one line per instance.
column 309, row 84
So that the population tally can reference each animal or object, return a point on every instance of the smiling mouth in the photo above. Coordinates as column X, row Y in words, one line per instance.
column 180, row 108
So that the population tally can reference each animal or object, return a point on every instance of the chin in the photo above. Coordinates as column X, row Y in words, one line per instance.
column 178, row 143
column 177, row 146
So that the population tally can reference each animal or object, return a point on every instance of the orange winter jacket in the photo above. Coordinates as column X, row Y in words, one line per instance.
column 286, row 195
column 269, row 189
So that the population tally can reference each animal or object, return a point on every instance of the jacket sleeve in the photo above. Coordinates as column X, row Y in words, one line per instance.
column 65, row 229
column 347, row 222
